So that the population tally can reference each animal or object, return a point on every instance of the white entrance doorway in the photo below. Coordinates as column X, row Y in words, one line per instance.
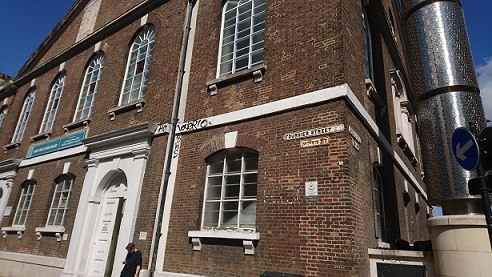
column 111, row 212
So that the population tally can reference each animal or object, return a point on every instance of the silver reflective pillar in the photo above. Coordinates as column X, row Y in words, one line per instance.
column 446, row 95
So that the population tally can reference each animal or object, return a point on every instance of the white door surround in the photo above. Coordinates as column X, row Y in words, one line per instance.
column 8, row 171
column 116, row 167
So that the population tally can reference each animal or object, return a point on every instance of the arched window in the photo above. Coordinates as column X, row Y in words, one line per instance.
column 138, row 65
column 230, row 194
column 242, row 36
column 59, row 203
column 53, row 102
column 24, row 203
column 3, row 115
column 367, row 47
column 24, row 116
column 89, row 87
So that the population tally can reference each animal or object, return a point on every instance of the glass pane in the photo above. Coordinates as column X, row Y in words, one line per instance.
column 258, row 37
column 233, row 166
column 250, row 161
column 51, row 218
column 250, row 183
column 211, row 216
column 244, row 8
column 58, row 218
column 216, row 167
column 231, row 14
column 242, row 44
column 244, row 25
column 258, row 47
column 248, row 214
column 230, row 214
column 214, row 188
column 232, row 187
column 257, row 58
column 226, row 68
column 226, row 58
column 215, row 181
column 242, row 63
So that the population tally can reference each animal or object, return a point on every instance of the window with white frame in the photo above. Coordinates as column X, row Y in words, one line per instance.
column 59, row 203
column 380, row 223
column 367, row 47
column 53, row 103
column 138, row 65
column 3, row 115
column 231, row 190
column 242, row 36
column 89, row 87
column 24, row 203
column 24, row 116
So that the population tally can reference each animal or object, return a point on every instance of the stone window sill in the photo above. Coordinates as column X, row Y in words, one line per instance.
column 397, row 253
column 138, row 106
column 76, row 124
column 246, row 237
column 11, row 146
column 256, row 72
column 57, row 231
column 19, row 230
column 41, row 136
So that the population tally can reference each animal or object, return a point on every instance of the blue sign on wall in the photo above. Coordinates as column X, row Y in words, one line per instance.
column 57, row 144
column 465, row 148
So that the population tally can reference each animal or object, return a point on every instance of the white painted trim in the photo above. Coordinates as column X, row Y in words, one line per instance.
column 53, row 156
column 50, row 229
column 66, row 167
column 14, row 228
column 224, row 235
column 282, row 105
column 311, row 98
column 173, row 274
column 32, row 259
column 230, row 139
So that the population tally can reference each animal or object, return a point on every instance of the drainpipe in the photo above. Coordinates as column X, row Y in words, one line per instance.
column 172, row 133
column 446, row 95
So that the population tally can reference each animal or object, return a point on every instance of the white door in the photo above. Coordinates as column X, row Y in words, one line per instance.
column 104, row 237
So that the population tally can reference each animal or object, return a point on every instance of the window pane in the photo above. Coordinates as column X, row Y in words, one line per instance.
column 214, row 188
column 257, row 58
column 234, row 165
column 230, row 214
column 226, row 68
column 242, row 63
column 211, row 215
column 250, row 183
column 248, row 214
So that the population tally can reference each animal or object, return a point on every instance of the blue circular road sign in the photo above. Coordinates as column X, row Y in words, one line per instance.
column 465, row 148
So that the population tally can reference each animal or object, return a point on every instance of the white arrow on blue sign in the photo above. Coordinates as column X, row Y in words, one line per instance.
column 465, row 148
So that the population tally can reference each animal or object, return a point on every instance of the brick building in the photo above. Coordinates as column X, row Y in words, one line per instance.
column 225, row 138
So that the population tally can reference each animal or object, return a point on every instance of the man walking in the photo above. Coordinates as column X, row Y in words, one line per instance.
column 133, row 261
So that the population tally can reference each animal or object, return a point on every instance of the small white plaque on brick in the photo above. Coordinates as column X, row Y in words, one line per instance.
column 311, row 191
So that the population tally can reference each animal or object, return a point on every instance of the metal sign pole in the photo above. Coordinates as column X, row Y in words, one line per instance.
column 484, row 191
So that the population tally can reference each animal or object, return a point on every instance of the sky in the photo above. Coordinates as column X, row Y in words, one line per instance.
column 26, row 23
